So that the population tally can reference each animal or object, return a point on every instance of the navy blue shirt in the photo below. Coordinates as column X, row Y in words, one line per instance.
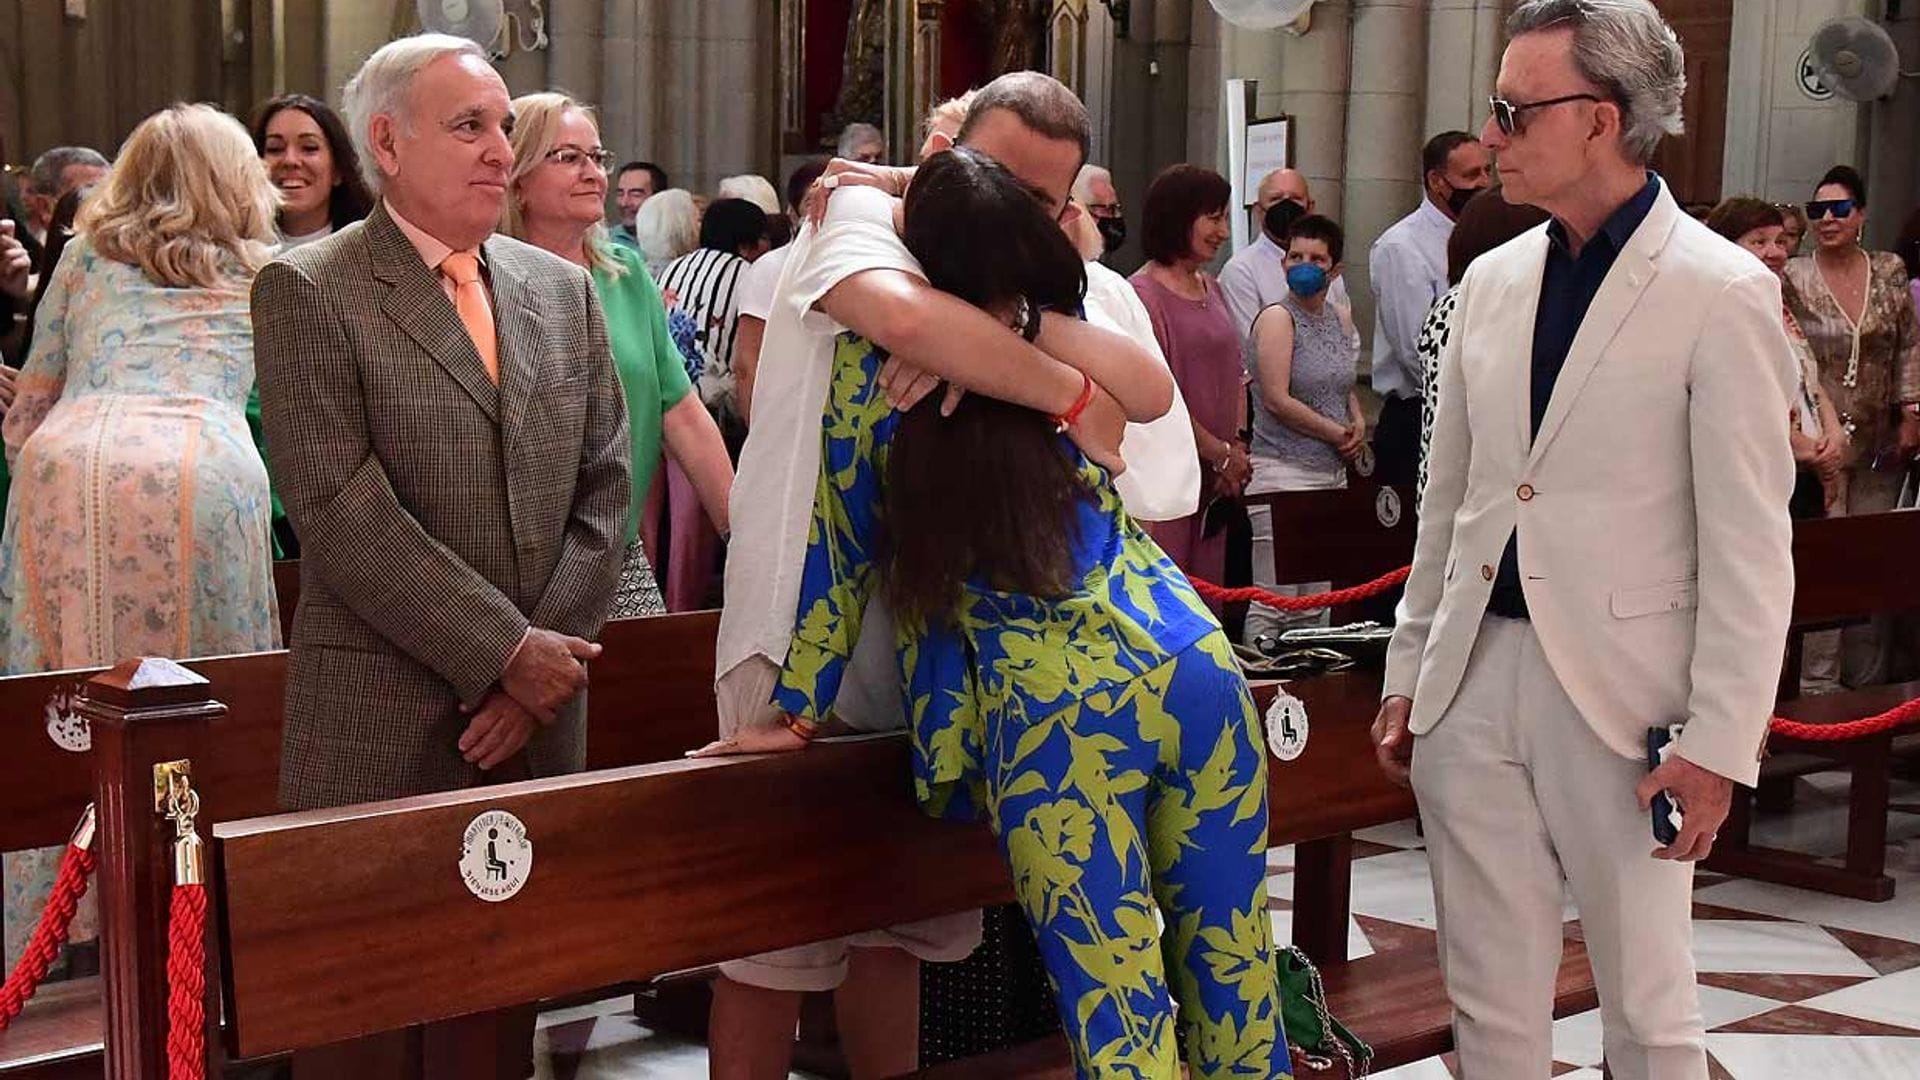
column 1567, row 289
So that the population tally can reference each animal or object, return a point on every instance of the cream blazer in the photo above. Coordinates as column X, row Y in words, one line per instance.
column 1654, row 543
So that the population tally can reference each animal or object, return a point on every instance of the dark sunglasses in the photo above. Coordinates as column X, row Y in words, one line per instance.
column 1839, row 208
column 1507, row 113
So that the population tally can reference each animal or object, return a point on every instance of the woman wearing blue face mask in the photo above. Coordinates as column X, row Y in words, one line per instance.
column 1307, row 423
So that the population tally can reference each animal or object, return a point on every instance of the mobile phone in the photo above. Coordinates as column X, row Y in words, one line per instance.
column 1666, row 812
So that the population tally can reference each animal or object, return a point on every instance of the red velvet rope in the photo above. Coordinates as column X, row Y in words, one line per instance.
column 1255, row 594
column 1903, row 715
column 49, row 934
column 187, row 984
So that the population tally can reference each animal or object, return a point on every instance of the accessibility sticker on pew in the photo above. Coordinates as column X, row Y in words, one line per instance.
column 496, row 858
column 1287, row 726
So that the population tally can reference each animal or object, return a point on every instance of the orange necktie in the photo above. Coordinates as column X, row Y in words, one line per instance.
column 476, row 312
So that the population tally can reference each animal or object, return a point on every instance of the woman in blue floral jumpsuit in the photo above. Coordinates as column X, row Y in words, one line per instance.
column 1099, row 723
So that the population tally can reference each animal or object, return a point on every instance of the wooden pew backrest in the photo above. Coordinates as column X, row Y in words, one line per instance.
column 1339, row 536
column 339, row 923
column 1847, row 568
column 47, row 786
column 651, row 700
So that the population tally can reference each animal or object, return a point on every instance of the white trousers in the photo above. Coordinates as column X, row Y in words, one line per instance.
column 1271, row 475
column 1518, row 796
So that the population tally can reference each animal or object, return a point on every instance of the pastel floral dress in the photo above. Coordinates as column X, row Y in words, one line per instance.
column 139, row 517
column 1109, row 739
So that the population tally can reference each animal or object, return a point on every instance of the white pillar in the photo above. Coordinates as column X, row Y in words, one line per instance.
column 1384, row 119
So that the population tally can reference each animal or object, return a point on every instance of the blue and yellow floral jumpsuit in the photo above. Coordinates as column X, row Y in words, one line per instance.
column 1109, row 739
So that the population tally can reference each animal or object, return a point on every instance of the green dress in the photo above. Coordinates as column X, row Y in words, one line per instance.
column 653, row 377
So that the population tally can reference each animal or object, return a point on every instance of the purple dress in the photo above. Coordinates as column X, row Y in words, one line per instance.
column 1203, row 349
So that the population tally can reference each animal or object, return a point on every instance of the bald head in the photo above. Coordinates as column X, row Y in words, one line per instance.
column 1284, row 184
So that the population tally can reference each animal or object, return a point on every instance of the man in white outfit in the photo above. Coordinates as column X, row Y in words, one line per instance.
column 1604, row 549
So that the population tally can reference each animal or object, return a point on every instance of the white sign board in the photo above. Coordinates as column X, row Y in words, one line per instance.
column 1266, row 151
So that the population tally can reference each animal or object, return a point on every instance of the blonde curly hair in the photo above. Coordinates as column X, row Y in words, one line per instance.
column 187, row 201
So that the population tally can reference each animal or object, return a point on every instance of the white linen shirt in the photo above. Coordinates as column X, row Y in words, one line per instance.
column 1409, row 271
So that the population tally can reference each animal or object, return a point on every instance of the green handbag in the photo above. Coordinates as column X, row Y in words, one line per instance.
column 1314, row 1037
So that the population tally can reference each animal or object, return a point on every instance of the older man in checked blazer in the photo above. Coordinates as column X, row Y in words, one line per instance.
column 448, row 431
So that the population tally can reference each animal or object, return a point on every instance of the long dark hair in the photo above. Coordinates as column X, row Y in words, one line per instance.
column 989, row 492
column 350, row 201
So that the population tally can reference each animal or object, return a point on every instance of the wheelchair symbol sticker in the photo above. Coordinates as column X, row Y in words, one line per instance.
column 1386, row 507
column 1287, row 726
column 1364, row 463
column 66, row 727
column 496, row 857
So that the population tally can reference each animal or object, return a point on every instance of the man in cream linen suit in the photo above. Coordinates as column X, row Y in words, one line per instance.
column 1604, row 547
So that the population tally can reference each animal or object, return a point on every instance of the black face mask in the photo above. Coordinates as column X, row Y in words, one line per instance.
column 1457, row 202
column 1280, row 218
column 1113, row 232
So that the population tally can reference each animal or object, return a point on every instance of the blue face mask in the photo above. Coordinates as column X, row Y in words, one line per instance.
column 1306, row 279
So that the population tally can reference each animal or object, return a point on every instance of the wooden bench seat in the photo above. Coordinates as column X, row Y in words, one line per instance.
column 1861, row 872
column 1393, row 1000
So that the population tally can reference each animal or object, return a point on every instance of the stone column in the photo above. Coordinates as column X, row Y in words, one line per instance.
column 691, row 85
column 1150, row 99
column 1465, row 37
column 1893, row 178
column 576, row 36
column 1098, row 94
column 1384, row 117
column 1301, row 75
column 1313, row 74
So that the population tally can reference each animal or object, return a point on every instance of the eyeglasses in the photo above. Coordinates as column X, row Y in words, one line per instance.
column 1839, row 208
column 1507, row 114
column 1103, row 209
column 570, row 157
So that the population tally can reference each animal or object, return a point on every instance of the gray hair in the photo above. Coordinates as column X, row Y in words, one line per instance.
column 1083, row 183
column 50, row 167
column 856, row 135
column 381, row 87
column 757, row 190
column 1625, row 48
column 667, row 226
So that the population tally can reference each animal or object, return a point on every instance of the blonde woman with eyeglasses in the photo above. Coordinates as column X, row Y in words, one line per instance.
column 556, row 201
column 138, row 524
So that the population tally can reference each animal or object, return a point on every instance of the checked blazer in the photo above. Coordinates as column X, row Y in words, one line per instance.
column 439, row 515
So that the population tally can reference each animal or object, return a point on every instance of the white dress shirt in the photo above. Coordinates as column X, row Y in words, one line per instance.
column 1409, row 271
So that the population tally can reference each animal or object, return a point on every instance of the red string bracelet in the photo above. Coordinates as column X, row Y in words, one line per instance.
column 1071, row 417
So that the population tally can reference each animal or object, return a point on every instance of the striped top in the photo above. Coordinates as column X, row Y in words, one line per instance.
column 705, row 285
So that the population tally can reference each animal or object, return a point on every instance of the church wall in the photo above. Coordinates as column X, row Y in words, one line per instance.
column 1779, row 141
column 690, row 84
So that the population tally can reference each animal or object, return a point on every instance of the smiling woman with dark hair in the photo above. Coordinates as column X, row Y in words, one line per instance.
column 1184, row 223
column 311, row 160
column 1063, row 678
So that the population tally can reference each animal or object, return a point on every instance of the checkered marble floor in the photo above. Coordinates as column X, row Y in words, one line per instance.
column 1794, row 984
